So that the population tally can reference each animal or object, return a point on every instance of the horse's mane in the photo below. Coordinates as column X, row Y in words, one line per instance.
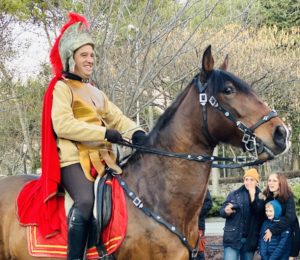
column 168, row 114
column 216, row 82
column 218, row 78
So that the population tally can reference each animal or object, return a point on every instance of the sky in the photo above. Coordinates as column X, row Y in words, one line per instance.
column 33, row 50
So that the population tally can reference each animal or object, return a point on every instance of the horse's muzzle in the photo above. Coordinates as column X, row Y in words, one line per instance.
column 280, row 137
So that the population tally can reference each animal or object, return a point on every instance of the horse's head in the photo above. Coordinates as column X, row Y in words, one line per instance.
column 234, row 114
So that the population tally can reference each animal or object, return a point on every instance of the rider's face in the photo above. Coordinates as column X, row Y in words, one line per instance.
column 84, row 61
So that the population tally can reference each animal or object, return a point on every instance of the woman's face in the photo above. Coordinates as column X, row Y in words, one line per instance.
column 84, row 61
column 273, row 183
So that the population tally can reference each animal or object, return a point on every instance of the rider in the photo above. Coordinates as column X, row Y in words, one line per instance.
column 79, row 124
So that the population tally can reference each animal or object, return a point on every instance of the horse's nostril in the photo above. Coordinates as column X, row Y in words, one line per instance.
column 280, row 136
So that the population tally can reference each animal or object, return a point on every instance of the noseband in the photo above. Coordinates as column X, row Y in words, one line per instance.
column 251, row 142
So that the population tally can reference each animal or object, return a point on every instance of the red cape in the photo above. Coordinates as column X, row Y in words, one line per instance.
column 37, row 203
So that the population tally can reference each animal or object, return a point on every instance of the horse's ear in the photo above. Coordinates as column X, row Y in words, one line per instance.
column 207, row 64
column 224, row 65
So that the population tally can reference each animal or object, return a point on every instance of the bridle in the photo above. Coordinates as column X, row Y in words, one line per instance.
column 251, row 142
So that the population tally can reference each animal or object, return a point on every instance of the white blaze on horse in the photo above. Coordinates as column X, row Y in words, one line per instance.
column 216, row 107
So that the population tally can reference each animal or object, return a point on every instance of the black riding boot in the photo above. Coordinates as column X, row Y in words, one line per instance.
column 77, row 235
column 93, row 233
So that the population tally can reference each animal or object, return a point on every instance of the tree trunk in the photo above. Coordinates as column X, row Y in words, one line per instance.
column 295, row 158
column 215, row 176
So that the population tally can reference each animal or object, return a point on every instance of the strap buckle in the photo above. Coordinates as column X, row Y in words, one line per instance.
column 203, row 99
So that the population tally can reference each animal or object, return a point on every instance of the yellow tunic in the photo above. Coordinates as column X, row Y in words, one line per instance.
column 81, row 114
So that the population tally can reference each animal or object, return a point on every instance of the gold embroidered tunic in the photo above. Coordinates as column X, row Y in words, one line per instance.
column 80, row 115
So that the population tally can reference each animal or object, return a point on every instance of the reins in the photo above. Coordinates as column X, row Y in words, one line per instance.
column 236, row 161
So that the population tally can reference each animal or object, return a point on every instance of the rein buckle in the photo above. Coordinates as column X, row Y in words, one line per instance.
column 203, row 99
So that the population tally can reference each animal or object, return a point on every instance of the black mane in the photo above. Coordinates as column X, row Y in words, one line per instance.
column 217, row 82
column 168, row 114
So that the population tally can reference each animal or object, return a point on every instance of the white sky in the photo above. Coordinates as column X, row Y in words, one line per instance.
column 33, row 50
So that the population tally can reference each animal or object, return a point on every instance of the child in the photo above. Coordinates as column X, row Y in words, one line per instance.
column 279, row 245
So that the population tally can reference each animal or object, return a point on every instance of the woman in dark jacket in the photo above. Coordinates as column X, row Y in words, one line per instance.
column 244, row 212
column 278, row 188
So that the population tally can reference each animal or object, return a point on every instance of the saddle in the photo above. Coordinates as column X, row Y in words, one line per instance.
column 103, row 200
column 102, row 214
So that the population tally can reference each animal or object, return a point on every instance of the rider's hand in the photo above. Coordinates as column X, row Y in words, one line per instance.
column 113, row 136
column 139, row 137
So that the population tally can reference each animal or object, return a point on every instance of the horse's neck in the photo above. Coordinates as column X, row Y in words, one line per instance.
column 173, row 188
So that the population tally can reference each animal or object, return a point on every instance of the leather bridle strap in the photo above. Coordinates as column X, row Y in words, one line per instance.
column 203, row 101
column 265, row 119
column 251, row 142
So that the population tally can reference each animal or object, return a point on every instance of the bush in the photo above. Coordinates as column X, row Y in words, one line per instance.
column 217, row 203
column 296, row 191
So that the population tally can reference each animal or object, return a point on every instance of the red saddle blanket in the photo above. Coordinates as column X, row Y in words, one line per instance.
column 112, row 236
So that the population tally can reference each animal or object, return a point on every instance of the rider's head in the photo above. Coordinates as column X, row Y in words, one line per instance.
column 74, row 35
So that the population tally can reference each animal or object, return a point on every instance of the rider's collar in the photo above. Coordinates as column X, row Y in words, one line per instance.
column 69, row 75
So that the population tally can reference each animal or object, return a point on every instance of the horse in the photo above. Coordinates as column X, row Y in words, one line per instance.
column 216, row 107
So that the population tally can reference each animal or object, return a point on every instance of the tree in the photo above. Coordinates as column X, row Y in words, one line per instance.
column 147, row 51
column 283, row 14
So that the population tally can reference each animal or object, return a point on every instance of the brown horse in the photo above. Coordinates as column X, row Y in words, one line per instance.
column 229, row 111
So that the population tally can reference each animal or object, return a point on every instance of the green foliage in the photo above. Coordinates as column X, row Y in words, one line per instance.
column 296, row 191
column 283, row 14
column 218, row 14
column 217, row 203
column 37, row 11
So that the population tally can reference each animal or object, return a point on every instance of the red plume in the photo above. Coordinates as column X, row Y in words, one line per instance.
column 55, row 59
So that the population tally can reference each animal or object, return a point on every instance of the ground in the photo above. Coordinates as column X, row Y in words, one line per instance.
column 214, row 249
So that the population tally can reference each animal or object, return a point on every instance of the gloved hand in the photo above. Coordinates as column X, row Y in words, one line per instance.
column 139, row 137
column 113, row 136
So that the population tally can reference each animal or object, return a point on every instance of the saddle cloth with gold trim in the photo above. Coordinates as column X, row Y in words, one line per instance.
column 112, row 236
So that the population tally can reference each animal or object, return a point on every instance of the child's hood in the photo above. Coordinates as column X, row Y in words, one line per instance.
column 277, row 208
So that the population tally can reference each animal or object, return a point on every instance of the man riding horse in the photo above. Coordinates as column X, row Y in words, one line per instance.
column 79, row 123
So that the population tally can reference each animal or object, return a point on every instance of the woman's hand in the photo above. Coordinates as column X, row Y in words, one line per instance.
column 229, row 209
column 268, row 235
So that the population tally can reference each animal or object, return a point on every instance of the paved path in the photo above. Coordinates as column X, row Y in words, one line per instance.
column 214, row 226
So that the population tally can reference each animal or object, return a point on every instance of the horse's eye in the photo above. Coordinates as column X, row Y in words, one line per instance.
column 228, row 90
